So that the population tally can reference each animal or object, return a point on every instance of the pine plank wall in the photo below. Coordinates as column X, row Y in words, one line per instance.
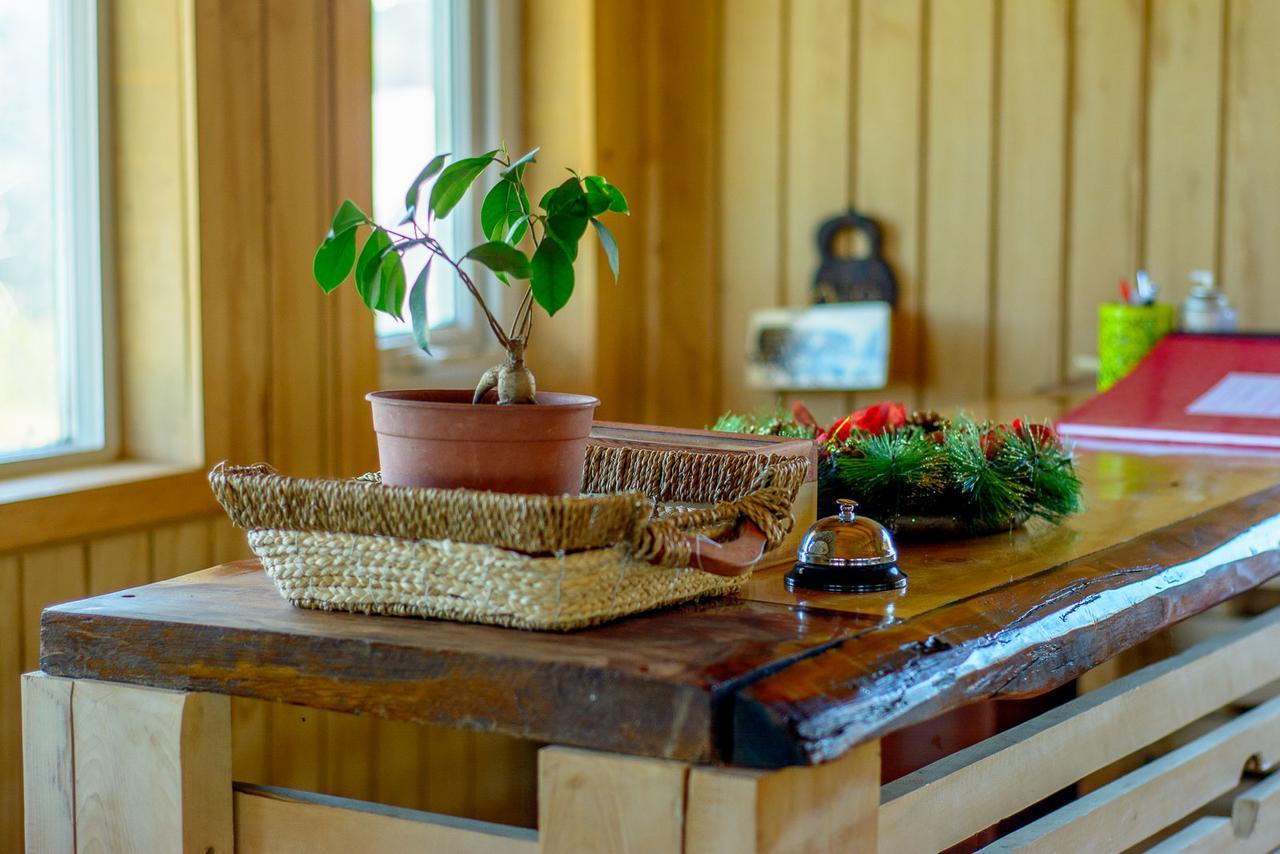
column 1023, row 155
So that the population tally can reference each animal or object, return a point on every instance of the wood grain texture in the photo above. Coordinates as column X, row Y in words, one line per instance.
column 887, row 177
column 280, row 821
column 958, row 216
column 1250, row 217
column 180, row 548
column 683, row 41
column 1104, row 225
column 621, row 74
column 1182, row 140
column 1160, row 793
column 47, row 764
column 1079, row 614
column 152, row 769
column 832, row 807
column 750, row 191
column 1026, row 309
column 10, row 705
column 802, row 676
column 611, row 804
column 816, row 143
column 969, row 791
column 119, row 562
column 49, row 575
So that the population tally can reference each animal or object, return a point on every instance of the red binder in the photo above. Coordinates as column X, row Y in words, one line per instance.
column 1199, row 390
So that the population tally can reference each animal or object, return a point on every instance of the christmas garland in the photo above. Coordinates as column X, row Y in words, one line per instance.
column 904, row 468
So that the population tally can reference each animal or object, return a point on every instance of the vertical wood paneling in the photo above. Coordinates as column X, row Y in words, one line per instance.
column 620, row 122
column 50, row 575
column 297, row 193
column 11, row 666
column 817, row 148
column 887, row 175
column 401, row 773
column 558, row 115
column 683, row 356
column 1251, row 210
column 1182, row 140
column 958, row 218
column 750, row 184
column 448, row 761
column 179, row 549
column 1107, row 161
column 119, row 562
column 353, row 355
column 1026, row 319
column 235, row 291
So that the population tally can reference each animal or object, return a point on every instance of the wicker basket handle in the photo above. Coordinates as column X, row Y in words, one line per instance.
column 731, row 558
column 763, row 520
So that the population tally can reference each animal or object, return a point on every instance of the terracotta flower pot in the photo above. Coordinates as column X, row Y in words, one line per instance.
column 438, row 438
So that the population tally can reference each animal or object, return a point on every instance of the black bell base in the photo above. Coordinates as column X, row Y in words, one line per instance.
column 860, row 579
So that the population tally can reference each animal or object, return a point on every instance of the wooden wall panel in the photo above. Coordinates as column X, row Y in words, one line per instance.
column 1026, row 309
column 1249, row 250
column 49, row 575
column 620, row 120
column 684, row 43
column 750, row 196
column 1106, row 167
column 1182, row 140
column 958, row 218
column 888, row 174
column 118, row 562
column 11, row 668
column 817, row 145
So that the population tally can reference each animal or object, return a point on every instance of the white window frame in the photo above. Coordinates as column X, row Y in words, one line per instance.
column 482, row 110
column 84, row 340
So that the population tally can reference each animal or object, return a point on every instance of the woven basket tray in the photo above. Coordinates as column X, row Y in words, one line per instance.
column 629, row 544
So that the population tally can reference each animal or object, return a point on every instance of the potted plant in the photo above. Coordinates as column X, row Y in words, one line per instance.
column 504, row 435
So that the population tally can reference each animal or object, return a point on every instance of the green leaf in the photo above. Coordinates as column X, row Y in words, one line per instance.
column 552, row 280
column 501, row 258
column 565, row 197
column 567, row 228
column 516, row 169
column 610, row 245
column 333, row 259
column 597, row 198
column 391, row 290
column 454, row 182
column 348, row 217
column 418, row 308
column 428, row 172
column 497, row 206
column 617, row 201
column 368, row 280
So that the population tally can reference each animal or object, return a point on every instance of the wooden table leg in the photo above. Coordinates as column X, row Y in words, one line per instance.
column 122, row 768
column 821, row 808
column 602, row 802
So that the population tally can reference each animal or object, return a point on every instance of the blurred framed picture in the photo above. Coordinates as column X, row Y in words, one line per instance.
column 831, row 347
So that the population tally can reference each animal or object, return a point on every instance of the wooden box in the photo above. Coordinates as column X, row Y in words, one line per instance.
column 805, row 508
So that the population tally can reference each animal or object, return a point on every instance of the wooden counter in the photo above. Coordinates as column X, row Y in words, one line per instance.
column 768, row 680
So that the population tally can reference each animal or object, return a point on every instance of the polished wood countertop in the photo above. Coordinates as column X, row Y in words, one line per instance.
column 768, row 679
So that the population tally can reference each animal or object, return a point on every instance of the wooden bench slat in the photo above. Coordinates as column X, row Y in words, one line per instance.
column 1157, row 795
column 280, row 821
column 974, row 788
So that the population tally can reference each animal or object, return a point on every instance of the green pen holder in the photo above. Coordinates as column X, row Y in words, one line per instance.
column 1126, row 333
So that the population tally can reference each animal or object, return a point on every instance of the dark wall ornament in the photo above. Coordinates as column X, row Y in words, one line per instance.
column 853, row 278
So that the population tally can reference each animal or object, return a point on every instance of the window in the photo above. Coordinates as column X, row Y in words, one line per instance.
column 52, row 396
column 437, row 69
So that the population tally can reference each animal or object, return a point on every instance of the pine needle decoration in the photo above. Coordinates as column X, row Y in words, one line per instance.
column 985, row 477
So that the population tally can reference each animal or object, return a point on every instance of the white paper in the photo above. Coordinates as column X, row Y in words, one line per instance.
column 1241, row 394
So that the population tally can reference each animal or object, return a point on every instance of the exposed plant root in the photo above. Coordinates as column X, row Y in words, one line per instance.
column 514, row 381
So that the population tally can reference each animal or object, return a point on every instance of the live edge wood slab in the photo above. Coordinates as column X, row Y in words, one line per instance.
column 770, row 679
